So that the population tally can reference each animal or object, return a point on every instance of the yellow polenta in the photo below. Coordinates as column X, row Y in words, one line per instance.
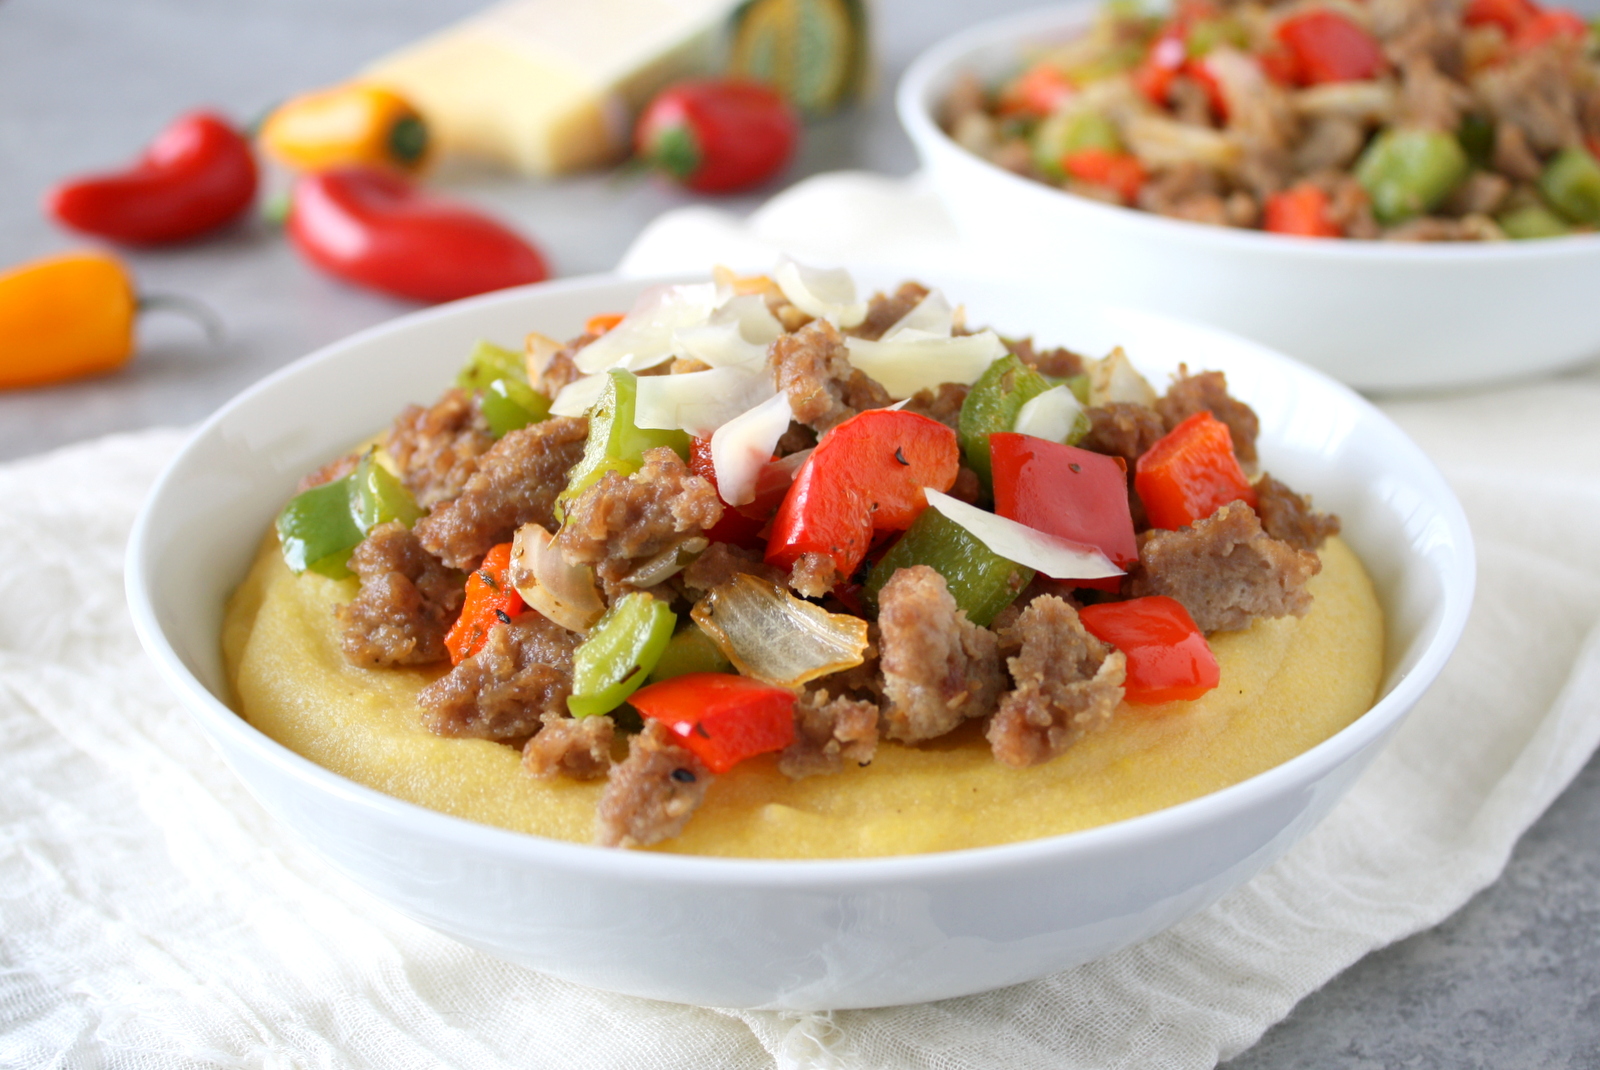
column 1286, row 686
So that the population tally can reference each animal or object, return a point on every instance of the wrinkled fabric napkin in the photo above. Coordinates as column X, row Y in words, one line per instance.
column 151, row 915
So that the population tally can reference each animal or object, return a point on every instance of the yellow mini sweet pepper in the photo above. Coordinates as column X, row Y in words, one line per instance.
column 63, row 317
column 348, row 124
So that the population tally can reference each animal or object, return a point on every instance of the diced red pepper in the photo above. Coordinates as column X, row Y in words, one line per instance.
column 1328, row 47
column 1549, row 26
column 1168, row 657
column 1280, row 65
column 721, row 718
column 1063, row 490
column 601, row 323
column 1509, row 15
column 1301, row 210
column 1197, row 69
column 1166, row 57
column 1118, row 171
column 490, row 600
column 1190, row 473
column 865, row 476
column 738, row 526
column 1039, row 91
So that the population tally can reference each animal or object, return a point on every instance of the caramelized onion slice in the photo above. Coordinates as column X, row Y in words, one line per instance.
column 549, row 583
column 770, row 634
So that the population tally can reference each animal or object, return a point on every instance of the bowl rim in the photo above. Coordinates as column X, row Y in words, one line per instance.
column 1456, row 581
column 930, row 69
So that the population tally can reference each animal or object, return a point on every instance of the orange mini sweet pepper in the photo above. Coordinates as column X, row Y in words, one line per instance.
column 63, row 317
column 348, row 125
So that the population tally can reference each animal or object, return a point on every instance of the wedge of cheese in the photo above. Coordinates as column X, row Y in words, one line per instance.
column 548, row 87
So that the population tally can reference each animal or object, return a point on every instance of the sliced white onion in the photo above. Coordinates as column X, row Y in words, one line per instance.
column 537, row 350
column 1052, row 415
column 667, row 564
column 824, row 293
column 550, row 583
column 701, row 402
column 578, row 396
column 914, row 360
column 1116, row 379
column 644, row 337
column 741, row 447
column 770, row 634
column 933, row 316
column 1054, row 556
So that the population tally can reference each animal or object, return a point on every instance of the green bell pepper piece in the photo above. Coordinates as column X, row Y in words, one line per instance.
column 691, row 650
column 1476, row 135
column 317, row 530
column 1533, row 221
column 1070, row 131
column 500, row 377
column 377, row 496
column 616, row 443
column 1208, row 34
column 1571, row 183
column 320, row 527
column 980, row 580
column 1407, row 173
column 619, row 653
column 991, row 406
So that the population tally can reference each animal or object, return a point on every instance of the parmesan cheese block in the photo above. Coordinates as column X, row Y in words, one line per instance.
column 547, row 87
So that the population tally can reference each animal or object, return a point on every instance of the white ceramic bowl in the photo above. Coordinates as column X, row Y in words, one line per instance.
column 1376, row 315
column 788, row 934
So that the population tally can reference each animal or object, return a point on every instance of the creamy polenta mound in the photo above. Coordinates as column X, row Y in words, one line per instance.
column 1287, row 685
column 760, row 569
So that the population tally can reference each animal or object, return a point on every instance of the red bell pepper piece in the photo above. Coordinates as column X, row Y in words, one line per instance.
column 197, row 175
column 1509, row 15
column 1197, row 69
column 490, row 600
column 1328, row 47
column 721, row 718
column 1166, row 57
column 736, row 526
column 1191, row 472
column 1063, row 490
column 1168, row 657
column 374, row 228
column 1280, row 65
column 1301, row 210
column 1039, row 91
column 865, row 476
column 1549, row 26
column 1119, row 171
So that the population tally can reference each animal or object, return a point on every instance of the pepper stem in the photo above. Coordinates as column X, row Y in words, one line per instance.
column 189, row 308
column 676, row 151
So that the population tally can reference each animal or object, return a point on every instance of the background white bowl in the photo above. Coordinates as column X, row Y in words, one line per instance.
column 1376, row 315
column 803, row 935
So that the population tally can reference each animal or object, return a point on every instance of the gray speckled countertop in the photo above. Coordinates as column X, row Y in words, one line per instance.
column 1511, row 981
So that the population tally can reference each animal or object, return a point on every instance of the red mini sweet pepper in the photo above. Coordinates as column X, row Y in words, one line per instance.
column 717, row 135
column 721, row 718
column 490, row 600
column 1191, row 472
column 197, row 175
column 1063, row 490
column 376, row 229
column 1168, row 657
column 865, row 476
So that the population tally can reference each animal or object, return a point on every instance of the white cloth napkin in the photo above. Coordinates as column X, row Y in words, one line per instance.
column 151, row 915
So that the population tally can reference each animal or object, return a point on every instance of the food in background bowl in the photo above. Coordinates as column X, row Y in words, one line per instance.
column 695, row 557
column 1399, row 120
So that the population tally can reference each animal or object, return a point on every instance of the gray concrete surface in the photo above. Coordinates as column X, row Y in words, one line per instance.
column 1511, row 981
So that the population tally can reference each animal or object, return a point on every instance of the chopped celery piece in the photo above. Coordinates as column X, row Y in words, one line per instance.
column 1571, row 183
column 691, row 650
column 1533, row 221
column 1407, row 173
column 980, row 580
column 619, row 653
column 992, row 405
